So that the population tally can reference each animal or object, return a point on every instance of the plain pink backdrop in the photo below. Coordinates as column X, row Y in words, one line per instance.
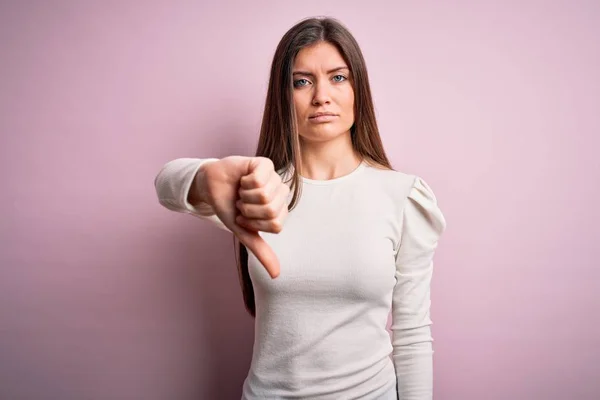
column 104, row 294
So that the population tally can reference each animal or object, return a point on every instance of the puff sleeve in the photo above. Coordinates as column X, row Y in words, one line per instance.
column 173, row 183
column 422, row 226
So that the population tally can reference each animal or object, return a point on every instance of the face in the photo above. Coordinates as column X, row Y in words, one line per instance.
column 323, row 93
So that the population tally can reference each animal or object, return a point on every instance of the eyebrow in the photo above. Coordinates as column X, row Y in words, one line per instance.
column 329, row 72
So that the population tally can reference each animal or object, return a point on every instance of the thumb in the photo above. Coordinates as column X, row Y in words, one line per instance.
column 260, row 249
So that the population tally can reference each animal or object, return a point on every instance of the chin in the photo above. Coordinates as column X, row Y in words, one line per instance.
column 324, row 132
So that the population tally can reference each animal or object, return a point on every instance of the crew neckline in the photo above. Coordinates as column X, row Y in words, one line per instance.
column 332, row 181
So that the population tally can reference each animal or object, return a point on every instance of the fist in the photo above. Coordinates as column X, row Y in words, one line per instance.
column 248, row 196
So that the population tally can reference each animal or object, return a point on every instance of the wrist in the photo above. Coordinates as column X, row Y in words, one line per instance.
column 198, row 190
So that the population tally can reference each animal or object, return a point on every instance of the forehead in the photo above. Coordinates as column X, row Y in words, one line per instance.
column 321, row 55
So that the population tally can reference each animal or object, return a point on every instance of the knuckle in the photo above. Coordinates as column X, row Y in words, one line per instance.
column 263, row 197
column 267, row 161
column 253, row 181
column 271, row 212
column 276, row 226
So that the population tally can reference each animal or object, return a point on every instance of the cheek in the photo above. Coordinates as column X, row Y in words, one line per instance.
column 349, row 103
column 300, row 106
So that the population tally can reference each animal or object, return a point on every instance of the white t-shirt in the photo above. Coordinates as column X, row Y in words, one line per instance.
column 353, row 249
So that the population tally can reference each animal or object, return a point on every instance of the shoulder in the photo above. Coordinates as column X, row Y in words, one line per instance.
column 404, row 187
column 409, row 183
column 422, row 211
column 396, row 183
column 415, row 196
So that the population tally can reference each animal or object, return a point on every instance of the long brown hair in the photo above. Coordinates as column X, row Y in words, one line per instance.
column 279, row 140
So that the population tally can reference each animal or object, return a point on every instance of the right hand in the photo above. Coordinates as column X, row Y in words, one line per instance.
column 248, row 196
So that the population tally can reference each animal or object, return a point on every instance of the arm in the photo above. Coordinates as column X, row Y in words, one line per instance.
column 178, row 188
column 423, row 224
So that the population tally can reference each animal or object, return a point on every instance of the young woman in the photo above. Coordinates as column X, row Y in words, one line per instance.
column 337, row 238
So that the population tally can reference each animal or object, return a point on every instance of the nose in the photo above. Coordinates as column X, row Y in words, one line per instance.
column 321, row 95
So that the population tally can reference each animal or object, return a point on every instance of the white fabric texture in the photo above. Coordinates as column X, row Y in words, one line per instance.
column 354, row 249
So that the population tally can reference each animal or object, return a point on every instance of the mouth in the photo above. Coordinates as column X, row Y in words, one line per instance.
column 322, row 117
column 320, row 114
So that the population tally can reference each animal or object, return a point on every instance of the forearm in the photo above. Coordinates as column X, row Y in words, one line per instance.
column 414, row 371
column 179, row 185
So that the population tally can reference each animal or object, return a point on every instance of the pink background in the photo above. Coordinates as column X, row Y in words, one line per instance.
column 106, row 295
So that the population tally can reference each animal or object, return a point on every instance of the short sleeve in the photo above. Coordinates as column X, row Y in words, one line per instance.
column 422, row 225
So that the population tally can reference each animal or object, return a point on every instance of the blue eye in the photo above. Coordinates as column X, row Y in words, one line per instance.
column 300, row 82
column 341, row 78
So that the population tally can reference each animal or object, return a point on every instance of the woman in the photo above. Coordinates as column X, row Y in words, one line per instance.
column 337, row 238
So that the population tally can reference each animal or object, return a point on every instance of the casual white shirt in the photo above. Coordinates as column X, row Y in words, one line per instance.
column 354, row 249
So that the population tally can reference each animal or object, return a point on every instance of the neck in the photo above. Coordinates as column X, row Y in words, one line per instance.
column 328, row 160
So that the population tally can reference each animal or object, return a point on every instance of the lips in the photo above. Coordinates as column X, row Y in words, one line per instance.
column 322, row 114
column 318, row 119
